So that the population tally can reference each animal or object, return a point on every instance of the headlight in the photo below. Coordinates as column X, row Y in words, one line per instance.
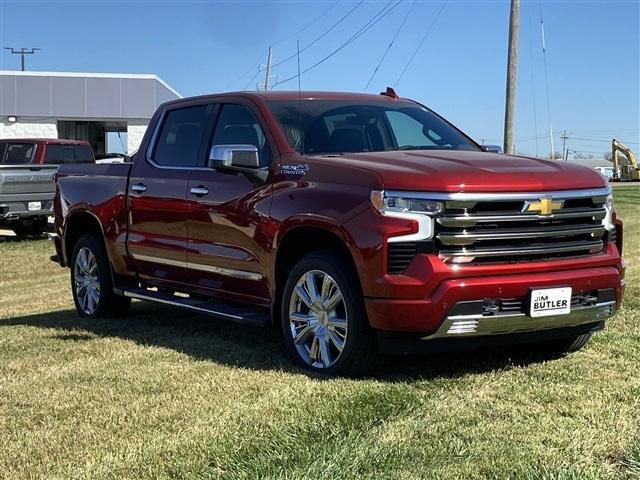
column 607, row 221
column 387, row 203
column 405, row 206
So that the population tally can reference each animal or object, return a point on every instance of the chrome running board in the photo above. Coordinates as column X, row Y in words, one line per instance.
column 214, row 308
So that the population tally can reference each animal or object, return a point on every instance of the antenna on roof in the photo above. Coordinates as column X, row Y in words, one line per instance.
column 299, row 88
column 300, row 126
column 390, row 92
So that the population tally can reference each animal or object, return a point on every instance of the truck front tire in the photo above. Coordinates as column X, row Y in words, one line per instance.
column 324, row 321
column 91, row 281
column 568, row 345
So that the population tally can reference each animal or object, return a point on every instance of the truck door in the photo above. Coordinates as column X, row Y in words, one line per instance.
column 157, row 206
column 228, row 213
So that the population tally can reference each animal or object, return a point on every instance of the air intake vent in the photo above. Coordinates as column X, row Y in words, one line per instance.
column 400, row 255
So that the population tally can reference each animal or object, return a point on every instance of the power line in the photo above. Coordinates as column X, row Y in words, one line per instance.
column 601, row 140
column 22, row 52
column 546, row 79
column 613, row 130
column 424, row 37
column 383, row 12
column 533, row 82
column 255, row 65
column 252, row 79
column 258, row 62
column 320, row 37
column 375, row 70
column 297, row 32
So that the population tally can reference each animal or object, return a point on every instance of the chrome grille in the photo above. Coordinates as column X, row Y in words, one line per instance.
column 503, row 229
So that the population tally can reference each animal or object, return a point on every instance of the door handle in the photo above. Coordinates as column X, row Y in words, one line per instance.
column 139, row 188
column 199, row 191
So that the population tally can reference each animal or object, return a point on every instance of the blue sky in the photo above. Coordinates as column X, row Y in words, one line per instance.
column 593, row 55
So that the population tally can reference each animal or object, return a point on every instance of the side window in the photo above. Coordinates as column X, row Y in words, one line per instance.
column 237, row 125
column 178, row 144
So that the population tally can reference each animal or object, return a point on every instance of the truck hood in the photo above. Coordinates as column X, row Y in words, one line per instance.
column 466, row 171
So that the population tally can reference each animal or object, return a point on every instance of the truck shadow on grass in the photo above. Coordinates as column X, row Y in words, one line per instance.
column 205, row 338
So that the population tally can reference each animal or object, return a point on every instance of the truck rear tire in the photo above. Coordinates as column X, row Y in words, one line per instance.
column 29, row 226
column 91, row 281
column 324, row 321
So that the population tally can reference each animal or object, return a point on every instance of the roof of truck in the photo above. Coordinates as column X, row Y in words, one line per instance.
column 298, row 95
column 308, row 95
column 45, row 141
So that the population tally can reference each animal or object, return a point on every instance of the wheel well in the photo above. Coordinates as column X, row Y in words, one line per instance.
column 78, row 225
column 295, row 244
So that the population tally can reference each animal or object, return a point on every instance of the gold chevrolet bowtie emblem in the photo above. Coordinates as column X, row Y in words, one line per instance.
column 545, row 206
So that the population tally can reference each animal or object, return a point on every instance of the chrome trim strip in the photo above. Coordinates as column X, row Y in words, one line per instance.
column 162, row 261
column 471, row 237
column 227, row 272
column 464, row 196
column 471, row 220
column 513, row 251
column 463, row 325
column 151, row 298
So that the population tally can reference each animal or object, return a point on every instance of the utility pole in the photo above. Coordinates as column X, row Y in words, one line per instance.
column 268, row 72
column 564, row 138
column 22, row 52
column 512, row 59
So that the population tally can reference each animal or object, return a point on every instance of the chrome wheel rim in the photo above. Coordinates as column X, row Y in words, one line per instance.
column 318, row 319
column 86, row 281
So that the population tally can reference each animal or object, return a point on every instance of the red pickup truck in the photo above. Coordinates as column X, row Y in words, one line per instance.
column 356, row 224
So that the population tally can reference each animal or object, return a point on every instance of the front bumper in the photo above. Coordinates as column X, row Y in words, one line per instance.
column 398, row 343
column 436, row 313
column 455, row 326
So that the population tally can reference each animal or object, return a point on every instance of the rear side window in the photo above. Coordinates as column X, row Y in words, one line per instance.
column 16, row 153
column 59, row 154
column 178, row 143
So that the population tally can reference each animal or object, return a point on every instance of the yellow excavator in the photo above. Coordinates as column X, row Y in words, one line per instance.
column 624, row 171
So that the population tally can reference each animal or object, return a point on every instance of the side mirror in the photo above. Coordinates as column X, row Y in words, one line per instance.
column 492, row 148
column 244, row 156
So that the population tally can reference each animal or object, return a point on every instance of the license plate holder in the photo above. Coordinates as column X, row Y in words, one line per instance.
column 544, row 302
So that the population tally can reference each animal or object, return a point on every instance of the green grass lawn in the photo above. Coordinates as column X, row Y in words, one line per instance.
column 168, row 394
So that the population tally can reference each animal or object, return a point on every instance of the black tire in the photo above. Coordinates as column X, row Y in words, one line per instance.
column 359, row 347
column 108, row 303
column 567, row 345
column 29, row 226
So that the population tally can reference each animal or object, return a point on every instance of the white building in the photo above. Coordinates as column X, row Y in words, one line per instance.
column 96, row 107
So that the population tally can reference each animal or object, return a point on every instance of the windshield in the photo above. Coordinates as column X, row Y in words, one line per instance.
column 321, row 127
